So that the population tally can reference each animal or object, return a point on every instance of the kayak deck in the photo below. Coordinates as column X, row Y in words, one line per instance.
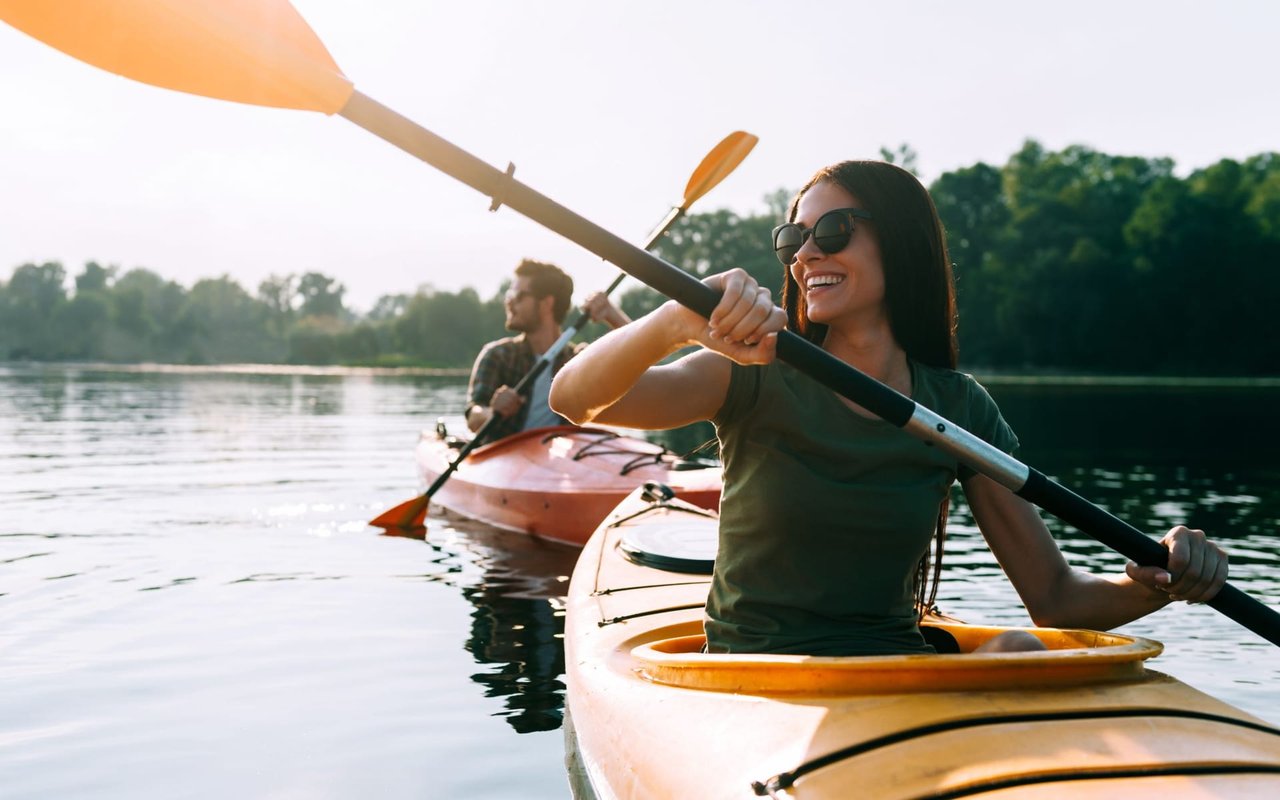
column 652, row 717
column 557, row 483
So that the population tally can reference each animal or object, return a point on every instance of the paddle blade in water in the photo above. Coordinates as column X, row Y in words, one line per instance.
column 409, row 514
column 259, row 52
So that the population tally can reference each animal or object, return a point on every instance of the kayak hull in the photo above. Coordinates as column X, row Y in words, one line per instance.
column 556, row 483
column 652, row 717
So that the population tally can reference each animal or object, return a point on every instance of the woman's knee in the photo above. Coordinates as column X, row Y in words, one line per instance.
column 1011, row 642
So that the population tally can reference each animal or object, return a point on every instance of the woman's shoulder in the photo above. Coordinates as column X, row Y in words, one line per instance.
column 942, row 377
column 959, row 396
column 947, row 386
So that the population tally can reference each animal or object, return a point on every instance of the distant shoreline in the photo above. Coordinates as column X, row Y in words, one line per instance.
column 1123, row 381
column 241, row 369
column 987, row 378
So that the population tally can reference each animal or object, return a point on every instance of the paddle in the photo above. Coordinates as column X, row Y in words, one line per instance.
column 262, row 52
column 714, row 167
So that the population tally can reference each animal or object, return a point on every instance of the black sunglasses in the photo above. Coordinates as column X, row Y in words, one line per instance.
column 831, row 233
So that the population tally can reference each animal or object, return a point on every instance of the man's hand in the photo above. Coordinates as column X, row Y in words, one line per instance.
column 601, row 309
column 506, row 402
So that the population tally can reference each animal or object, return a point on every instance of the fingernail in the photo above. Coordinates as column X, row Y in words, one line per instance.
column 1164, row 577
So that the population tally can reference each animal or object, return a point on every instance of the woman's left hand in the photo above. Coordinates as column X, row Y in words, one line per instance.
column 1197, row 567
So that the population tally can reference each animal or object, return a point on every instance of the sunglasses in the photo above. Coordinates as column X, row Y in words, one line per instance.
column 831, row 233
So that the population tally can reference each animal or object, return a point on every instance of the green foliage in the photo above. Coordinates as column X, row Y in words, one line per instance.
column 1069, row 260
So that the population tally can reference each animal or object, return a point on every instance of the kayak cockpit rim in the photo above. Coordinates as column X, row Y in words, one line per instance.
column 1073, row 657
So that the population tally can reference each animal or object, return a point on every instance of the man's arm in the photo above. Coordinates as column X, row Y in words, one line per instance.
column 602, row 309
column 486, row 380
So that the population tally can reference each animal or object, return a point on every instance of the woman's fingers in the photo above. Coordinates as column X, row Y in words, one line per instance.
column 760, row 352
column 1197, row 568
column 736, row 300
column 1198, row 565
column 746, row 311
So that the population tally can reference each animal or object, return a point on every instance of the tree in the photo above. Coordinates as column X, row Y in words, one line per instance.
column 389, row 306
column 223, row 324
column 444, row 329
column 145, row 313
column 94, row 278
column 904, row 156
column 321, row 296
column 975, row 213
column 32, row 299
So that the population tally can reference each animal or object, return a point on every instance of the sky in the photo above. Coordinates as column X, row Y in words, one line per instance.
column 607, row 108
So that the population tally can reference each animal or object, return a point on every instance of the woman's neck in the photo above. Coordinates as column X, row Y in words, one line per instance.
column 872, row 351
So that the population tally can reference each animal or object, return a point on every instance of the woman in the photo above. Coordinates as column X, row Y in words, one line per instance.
column 827, row 512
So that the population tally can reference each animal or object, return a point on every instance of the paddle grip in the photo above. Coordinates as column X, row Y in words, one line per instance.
column 1127, row 540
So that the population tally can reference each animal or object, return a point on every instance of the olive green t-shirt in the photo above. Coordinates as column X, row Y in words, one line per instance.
column 825, row 513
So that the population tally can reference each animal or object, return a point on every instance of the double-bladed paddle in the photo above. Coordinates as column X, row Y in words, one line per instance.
column 263, row 52
column 715, row 167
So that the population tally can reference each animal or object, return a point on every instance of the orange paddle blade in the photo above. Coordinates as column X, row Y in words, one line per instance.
column 259, row 52
column 409, row 514
column 723, row 159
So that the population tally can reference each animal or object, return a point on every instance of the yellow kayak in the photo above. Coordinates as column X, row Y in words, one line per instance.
column 650, row 716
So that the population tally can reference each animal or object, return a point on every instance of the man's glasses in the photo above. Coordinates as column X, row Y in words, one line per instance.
column 514, row 297
column 831, row 233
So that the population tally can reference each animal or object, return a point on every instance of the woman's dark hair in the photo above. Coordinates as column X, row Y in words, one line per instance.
column 548, row 279
column 919, row 290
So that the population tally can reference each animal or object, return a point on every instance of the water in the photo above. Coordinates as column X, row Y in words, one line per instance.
column 191, row 604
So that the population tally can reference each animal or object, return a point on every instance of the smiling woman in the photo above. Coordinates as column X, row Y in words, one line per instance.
column 827, row 512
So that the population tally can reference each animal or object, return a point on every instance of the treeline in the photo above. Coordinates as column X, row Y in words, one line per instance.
column 1071, row 260
column 139, row 316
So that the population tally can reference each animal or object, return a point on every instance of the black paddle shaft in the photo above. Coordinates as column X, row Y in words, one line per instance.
column 828, row 370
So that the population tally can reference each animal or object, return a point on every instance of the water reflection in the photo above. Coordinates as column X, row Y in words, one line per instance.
column 516, row 584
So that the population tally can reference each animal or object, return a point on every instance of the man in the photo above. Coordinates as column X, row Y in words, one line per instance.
column 536, row 305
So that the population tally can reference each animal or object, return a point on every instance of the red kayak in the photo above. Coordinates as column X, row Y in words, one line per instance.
column 557, row 483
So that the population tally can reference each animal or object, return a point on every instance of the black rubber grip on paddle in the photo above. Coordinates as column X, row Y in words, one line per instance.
column 1127, row 540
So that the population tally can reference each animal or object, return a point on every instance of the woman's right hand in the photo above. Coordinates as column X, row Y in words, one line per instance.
column 744, row 325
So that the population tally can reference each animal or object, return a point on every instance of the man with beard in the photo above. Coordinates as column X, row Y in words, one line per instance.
column 536, row 305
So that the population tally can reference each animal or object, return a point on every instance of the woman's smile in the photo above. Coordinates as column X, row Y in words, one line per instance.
column 820, row 281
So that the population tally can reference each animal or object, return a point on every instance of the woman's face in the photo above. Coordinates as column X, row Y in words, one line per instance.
column 843, row 286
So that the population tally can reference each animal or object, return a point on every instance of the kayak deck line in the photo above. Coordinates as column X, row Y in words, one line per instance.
column 786, row 780
column 615, row 620
column 603, row 592
column 1087, row 774
column 657, row 506
column 598, row 448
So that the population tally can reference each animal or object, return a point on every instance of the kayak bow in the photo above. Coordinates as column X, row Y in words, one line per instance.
column 557, row 483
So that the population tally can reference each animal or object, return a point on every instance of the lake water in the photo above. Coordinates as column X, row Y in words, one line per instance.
column 191, row 603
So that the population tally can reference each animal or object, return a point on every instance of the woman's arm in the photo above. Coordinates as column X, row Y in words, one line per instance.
column 614, row 380
column 1058, row 596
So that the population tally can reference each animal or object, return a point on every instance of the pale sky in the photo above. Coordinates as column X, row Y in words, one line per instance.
column 606, row 107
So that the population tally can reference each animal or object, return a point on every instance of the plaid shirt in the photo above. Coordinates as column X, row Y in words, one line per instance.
column 504, row 363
